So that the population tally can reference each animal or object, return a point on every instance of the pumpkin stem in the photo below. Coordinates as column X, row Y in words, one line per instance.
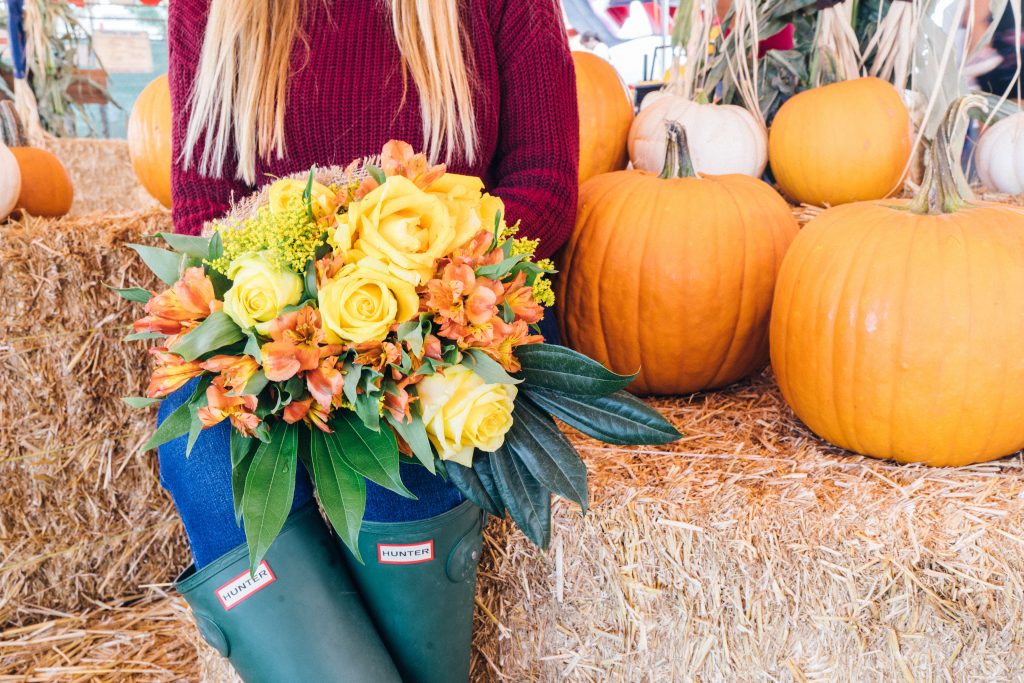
column 701, row 97
column 945, row 189
column 678, row 163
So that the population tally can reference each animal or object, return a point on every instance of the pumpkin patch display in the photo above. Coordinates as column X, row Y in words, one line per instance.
column 723, row 138
column 1000, row 155
column 898, row 327
column 149, row 139
column 606, row 113
column 673, row 274
column 845, row 142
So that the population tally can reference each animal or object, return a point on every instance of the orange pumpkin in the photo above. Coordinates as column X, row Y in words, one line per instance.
column 149, row 139
column 846, row 142
column 673, row 274
column 606, row 113
column 46, row 188
column 898, row 328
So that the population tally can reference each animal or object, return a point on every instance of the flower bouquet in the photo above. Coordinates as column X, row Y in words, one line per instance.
column 390, row 314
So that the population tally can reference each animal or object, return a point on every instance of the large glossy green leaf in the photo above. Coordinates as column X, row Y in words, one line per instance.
column 241, row 460
column 527, row 500
column 538, row 443
column 415, row 434
column 488, row 368
column 482, row 468
column 269, row 490
column 562, row 369
column 342, row 491
column 190, row 245
column 372, row 454
column 619, row 418
column 216, row 332
column 165, row 264
column 469, row 485
column 180, row 420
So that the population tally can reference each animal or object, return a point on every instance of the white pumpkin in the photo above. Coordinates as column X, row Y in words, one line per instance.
column 722, row 138
column 1000, row 155
column 10, row 181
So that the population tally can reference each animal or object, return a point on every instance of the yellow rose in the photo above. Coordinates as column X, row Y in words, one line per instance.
column 463, row 413
column 363, row 300
column 471, row 207
column 286, row 190
column 259, row 290
column 403, row 226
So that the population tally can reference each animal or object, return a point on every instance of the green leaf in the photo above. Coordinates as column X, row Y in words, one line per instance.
column 252, row 347
column 178, row 422
column 372, row 454
column 307, row 195
column 499, row 270
column 165, row 264
column 137, row 294
column 139, row 336
column 562, row 369
column 139, row 401
column 411, row 332
column 342, row 491
column 216, row 332
column 241, row 460
column 376, row 173
column 619, row 418
column 197, row 426
column 488, row 368
column 482, row 468
column 269, row 490
column 309, row 279
column 471, row 488
column 216, row 246
column 415, row 434
column 255, row 384
column 551, row 459
column 528, row 502
column 190, row 245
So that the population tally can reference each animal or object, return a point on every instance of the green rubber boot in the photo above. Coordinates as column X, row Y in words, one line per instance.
column 298, row 619
column 419, row 585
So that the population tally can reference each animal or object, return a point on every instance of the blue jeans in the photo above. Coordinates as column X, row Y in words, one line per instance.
column 201, row 488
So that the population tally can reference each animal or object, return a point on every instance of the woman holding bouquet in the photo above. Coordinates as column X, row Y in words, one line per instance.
column 266, row 89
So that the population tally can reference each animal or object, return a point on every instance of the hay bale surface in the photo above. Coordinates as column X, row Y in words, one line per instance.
column 102, row 176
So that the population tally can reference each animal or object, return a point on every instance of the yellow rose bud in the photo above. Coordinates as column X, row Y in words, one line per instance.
column 288, row 190
column 259, row 290
column 403, row 226
column 472, row 209
column 363, row 301
column 463, row 413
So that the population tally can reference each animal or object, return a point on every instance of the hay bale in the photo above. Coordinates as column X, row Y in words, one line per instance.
column 102, row 176
column 82, row 516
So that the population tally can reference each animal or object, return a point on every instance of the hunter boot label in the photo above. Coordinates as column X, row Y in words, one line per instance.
column 245, row 585
column 405, row 553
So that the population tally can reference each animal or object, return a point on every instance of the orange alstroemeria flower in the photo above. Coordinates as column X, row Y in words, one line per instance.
column 296, row 347
column 326, row 383
column 190, row 299
column 519, row 297
column 399, row 158
column 171, row 374
column 399, row 405
column 222, row 405
column 236, row 370
column 309, row 411
column 506, row 338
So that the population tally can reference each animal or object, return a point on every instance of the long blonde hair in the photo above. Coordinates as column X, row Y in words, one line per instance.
column 239, row 93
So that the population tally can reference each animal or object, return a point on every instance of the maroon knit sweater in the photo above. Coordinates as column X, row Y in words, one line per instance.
column 345, row 103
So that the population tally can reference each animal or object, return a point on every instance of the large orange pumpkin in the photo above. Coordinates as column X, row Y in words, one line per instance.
column 149, row 139
column 673, row 275
column 898, row 328
column 845, row 142
column 606, row 113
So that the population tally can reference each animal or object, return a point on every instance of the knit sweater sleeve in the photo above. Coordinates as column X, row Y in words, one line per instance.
column 535, row 167
column 196, row 198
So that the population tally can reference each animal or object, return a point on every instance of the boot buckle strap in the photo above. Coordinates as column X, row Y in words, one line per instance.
column 465, row 555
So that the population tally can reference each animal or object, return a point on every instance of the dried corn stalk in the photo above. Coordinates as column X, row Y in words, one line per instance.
column 837, row 51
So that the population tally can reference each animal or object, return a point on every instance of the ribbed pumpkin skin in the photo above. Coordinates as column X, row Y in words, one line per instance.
column 901, row 336
column 10, row 181
column 841, row 143
column 149, row 139
column 674, row 277
column 1000, row 155
column 46, row 188
column 606, row 114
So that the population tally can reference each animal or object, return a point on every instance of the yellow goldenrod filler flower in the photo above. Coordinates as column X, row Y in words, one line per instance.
column 523, row 245
column 542, row 292
column 286, row 237
column 508, row 232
